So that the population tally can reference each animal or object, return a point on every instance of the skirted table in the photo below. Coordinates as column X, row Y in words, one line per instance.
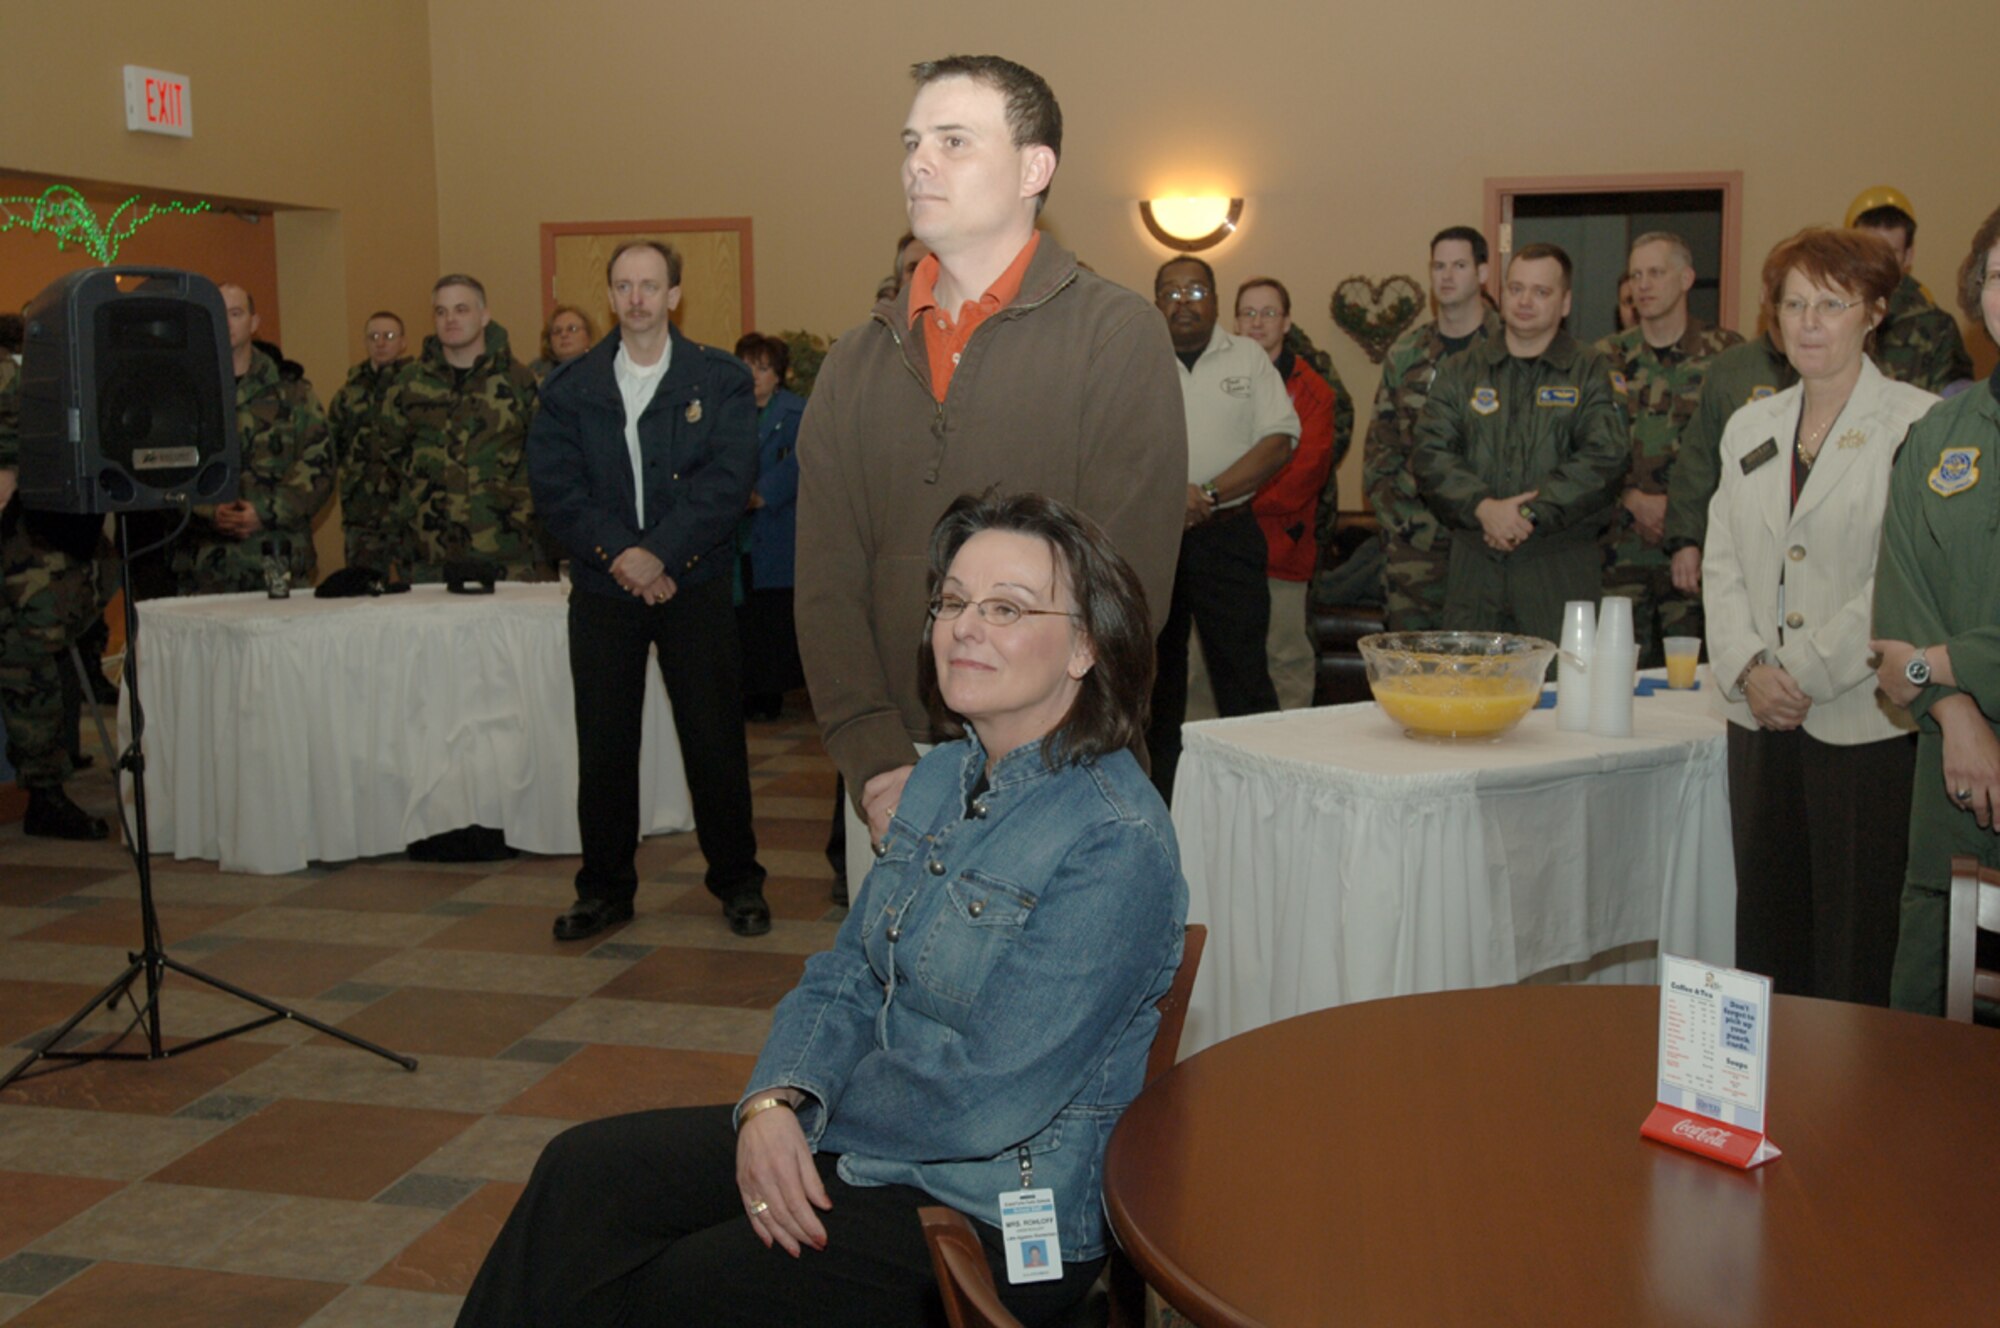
column 1335, row 860
column 280, row 732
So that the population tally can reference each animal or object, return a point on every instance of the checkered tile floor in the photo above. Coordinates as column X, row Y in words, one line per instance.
column 283, row 1178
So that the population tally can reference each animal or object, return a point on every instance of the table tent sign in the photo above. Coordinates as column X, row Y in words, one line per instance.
column 1715, row 1040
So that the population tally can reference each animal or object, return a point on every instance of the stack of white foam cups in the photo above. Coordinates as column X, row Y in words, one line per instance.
column 1579, row 640
column 1614, row 669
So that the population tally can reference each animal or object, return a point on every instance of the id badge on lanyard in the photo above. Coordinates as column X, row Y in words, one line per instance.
column 1028, row 1230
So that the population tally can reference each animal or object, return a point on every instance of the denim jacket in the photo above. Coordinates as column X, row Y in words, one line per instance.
column 995, row 991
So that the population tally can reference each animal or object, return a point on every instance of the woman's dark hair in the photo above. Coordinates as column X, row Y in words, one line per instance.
column 754, row 348
column 1110, row 710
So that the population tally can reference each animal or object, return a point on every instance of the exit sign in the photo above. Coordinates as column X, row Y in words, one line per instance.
column 157, row 102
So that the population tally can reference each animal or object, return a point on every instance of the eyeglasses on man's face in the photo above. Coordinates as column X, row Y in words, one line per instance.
column 1195, row 293
column 385, row 336
column 1270, row 315
column 993, row 612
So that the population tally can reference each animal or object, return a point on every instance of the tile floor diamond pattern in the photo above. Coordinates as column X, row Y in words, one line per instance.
column 283, row 1179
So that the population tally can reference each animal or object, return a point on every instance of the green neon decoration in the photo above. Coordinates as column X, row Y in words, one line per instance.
column 64, row 213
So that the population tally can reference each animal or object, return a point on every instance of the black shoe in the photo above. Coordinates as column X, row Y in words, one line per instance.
column 587, row 917
column 51, row 815
column 747, row 912
column 839, row 892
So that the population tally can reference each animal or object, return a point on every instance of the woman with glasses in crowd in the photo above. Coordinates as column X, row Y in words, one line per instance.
column 977, row 1029
column 1937, row 620
column 1819, row 766
column 567, row 334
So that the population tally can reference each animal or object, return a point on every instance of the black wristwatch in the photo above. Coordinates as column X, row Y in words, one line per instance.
column 1918, row 670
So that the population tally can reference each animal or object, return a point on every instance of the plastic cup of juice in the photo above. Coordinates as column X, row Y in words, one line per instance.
column 1683, row 653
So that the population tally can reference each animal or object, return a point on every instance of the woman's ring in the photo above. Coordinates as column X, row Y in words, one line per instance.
column 1963, row 794
column 757, row 1209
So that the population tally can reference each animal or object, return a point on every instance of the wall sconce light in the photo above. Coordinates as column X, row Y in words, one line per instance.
column 1191, row 224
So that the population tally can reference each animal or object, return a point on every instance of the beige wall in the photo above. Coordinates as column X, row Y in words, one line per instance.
column 323, row 107
column 1354, row 131
column 442, row 136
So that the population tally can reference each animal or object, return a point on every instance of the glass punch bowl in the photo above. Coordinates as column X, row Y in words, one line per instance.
column 1456, row 686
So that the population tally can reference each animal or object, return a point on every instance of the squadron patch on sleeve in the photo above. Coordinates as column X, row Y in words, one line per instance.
column 1957, row 470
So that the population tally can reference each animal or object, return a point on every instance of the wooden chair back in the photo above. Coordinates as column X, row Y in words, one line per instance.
column 1126, row 1288
column 1975, row 908
column 964, row 1278
column 1173, row 1006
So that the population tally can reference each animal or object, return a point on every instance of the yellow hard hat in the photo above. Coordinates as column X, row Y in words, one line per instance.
column 1881, row 195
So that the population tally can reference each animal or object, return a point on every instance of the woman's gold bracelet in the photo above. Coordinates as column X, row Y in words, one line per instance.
column 762, row 1104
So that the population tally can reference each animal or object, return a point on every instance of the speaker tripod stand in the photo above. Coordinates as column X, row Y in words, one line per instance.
column 152, row 962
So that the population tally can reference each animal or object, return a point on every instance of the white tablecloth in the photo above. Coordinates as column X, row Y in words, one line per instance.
column 280, row 732
column 1335, row 860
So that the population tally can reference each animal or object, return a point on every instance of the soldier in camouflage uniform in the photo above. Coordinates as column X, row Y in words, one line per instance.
column 1326, row 517
column 1744, row 373
column 49, row 600
column 1918, row 343
column 1662, row 361
column 372, row 477
column 460, row 414
column 1416, row 547
column 286, row 476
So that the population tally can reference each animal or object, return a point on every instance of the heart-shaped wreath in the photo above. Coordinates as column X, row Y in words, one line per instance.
column 1375, row 313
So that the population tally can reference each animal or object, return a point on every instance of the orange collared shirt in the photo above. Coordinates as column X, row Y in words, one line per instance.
column 944, row 339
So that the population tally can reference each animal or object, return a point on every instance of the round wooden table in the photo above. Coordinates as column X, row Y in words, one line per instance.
column 1473, row 1157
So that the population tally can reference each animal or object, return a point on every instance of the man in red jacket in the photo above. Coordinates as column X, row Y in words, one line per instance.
column 1285, row 505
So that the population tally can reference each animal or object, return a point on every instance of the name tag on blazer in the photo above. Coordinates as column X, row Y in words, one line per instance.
column 1759, row 454
column 1556, row 396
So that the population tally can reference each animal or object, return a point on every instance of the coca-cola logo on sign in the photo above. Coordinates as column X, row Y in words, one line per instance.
column 1706, row 1135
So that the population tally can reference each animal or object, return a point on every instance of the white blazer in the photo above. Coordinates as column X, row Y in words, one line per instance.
column 1823, row 552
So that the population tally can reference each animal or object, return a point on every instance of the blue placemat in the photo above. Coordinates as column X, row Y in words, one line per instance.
column 1646, row 687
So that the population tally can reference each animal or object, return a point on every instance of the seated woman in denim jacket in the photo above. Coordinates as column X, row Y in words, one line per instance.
column 977, row 1028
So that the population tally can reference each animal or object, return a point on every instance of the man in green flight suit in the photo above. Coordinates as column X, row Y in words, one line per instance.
column 1937, row 624
column 1918, row 343
column 286, row 475
column 1662, row 359
column 460, row 414
column 1416, row 547
column 48, row 601
column 1520, row 450
column 373, row 477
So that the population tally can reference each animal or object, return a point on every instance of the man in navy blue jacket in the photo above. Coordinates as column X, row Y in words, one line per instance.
column 641, row 458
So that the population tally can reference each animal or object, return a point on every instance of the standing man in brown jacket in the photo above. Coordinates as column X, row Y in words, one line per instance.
column 1000, row 364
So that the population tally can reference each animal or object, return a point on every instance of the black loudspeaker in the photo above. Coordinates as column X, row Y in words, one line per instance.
column 128, row 395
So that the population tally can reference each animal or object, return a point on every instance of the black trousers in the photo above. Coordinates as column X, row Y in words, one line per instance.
column 1822, row 837
column 637, row 1220
column 1218, row 587
column 695, row 633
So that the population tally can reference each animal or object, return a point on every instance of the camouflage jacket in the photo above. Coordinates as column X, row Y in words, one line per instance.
column 1495, row 425
column 1744, row 373
column 287, row 475
column 466, row 494
column 371, row 475
column 1661, row 396
column 1391, row 485
column 1918, row 343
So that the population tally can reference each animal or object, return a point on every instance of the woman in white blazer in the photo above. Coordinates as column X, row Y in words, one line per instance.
column 1820, row 767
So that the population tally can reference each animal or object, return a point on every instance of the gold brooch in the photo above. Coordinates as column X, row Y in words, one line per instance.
column 694, row 412
column 1853, row 438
